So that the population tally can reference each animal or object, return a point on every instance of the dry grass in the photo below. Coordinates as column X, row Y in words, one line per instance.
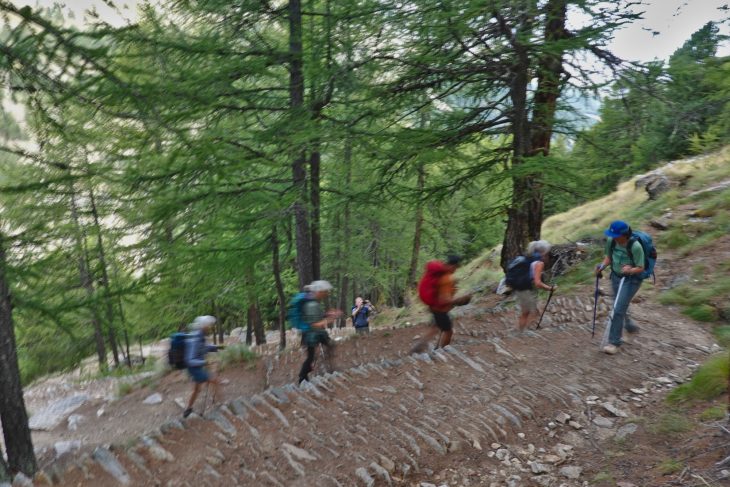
column 593, row 217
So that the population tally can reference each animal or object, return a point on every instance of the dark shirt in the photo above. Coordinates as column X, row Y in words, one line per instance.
column 361, row 318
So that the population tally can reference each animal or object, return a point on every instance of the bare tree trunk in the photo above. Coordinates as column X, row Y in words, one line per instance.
column 249, row 329
column 87, row 281
column 517, row 235
column 299, row 175
column 314, row 166
column 279, row 287
column 104, row 279
column 258, row 324
column 18, row 442
column 416, row 249
column 549, row 86
column 4, row 470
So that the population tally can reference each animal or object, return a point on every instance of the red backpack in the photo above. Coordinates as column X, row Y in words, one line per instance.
column 428, row 289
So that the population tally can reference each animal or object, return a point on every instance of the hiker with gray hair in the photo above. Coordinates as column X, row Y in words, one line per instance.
column 195, row 351
column 533, row 265
column 316, row 321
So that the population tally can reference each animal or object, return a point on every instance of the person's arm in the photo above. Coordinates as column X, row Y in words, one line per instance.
column 191, row 352
column 539, row 267
column 637, row 252
column 355, row 311
column 606, row 259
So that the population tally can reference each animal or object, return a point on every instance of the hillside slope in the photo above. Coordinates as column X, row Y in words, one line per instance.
column 543, row 408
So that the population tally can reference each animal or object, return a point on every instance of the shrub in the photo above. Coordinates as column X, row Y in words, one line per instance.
column 709, row 381
column 670, row 466
column 671, row 424
column 713, row 413
column 124, row 388
column 235, row 354
column 702, row 312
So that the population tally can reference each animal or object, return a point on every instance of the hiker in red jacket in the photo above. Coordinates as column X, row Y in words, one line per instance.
column 437, row 290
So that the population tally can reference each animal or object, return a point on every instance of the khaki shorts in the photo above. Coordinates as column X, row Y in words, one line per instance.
column 527, row 300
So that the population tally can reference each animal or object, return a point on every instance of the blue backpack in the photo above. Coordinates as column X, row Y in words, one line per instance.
column 650, row 254
column 294, row 312
column 176, row 354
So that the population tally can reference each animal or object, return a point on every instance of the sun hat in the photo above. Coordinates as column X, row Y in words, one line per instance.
column 202, row 322
column 318, row 286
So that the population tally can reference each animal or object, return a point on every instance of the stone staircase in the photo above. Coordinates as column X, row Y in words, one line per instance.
column 394, row 419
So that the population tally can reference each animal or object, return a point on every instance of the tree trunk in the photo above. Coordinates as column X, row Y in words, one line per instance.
column 517, row 235
column 87, row 281
column 549, row 85
column 4, row 470
column 249, row 329
column 314, row 165
column 18, row 442
column 258, row 324
column 416, row 249
column 105, row 280
column 299, row 176
column 279, row 287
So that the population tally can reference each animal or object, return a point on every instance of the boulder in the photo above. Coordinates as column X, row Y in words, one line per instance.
column 153, row 399
column 51, row 416
column 658, row 186
column 571, row 472
column 63, row 447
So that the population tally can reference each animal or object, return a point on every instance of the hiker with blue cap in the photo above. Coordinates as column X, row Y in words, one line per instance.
column 625, row 257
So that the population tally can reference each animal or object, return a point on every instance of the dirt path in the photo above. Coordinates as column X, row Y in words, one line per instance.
column 480, row 413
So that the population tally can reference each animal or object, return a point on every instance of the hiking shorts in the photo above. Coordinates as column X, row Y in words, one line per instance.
column 198, row 374
column 442, row 320
column 527, row 300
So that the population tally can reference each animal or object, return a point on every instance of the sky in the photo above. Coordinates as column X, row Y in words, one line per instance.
column 673, row 21
column 665, row 27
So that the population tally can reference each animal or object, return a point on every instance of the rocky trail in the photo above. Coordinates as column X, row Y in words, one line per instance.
column 496, row 408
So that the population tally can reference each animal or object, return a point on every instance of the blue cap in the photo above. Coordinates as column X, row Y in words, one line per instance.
column 617, row 229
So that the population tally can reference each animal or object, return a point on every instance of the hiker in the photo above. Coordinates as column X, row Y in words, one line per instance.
column 195, row 351
column 314, row 324
column 361, row 316
column 526, row 295
column 437, row 290
column 627, row 264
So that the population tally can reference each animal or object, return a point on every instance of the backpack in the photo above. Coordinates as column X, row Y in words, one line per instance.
column 294, row 312
column 650, row 253
column 518, row 273
column 176, row 354
column 428, row 289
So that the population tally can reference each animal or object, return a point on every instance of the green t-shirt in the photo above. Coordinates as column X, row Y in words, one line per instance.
column 620, row 256
column 312, row 312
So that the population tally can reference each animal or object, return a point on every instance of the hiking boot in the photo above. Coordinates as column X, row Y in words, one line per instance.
column 187, row 412
column 610, row 349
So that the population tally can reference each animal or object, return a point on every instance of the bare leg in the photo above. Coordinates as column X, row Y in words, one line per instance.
column 446, row 338
column 216, row 388
column 522, row 321
column 194, row 396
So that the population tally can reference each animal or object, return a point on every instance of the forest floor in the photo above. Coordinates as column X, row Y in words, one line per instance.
column 544, row 407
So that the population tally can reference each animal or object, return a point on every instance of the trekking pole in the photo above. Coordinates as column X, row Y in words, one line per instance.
column 607, row 332
column 550, row 296
column 595, row 303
